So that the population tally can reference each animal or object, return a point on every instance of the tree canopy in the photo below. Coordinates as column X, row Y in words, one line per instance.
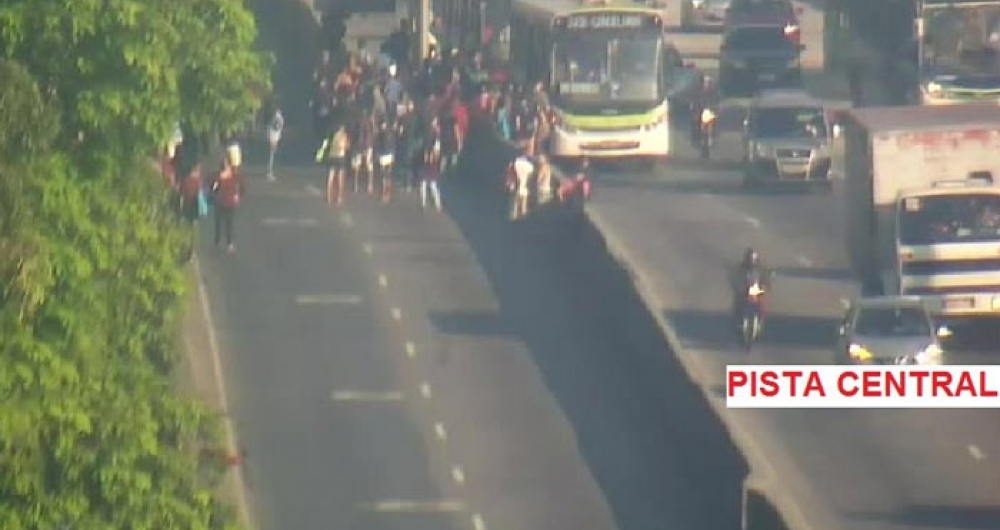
column 92, row 436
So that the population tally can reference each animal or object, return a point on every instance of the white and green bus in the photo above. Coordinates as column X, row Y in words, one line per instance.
column 609, row 70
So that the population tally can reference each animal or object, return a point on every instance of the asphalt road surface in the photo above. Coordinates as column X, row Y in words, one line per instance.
column 392, row 368
column 683, row 226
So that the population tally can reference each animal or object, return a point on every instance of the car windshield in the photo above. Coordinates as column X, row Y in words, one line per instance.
column 966, row 218
column 887, row 322
column 962, row 40
column 789, row 122
column 607, row 71
column 757, row 38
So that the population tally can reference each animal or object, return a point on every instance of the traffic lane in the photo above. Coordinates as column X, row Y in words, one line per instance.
column 514, row 446
column 691, row 233
column 544, row 396
column 315, row 461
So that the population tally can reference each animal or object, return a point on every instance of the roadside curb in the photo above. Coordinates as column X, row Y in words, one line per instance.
column 204, row 357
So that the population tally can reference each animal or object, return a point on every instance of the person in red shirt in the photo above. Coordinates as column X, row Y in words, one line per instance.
column 227, row 192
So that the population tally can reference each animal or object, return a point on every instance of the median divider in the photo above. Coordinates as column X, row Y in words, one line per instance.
column 767, row 501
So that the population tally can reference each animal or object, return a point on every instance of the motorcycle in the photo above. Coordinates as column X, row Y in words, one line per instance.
column 752, row 317
column 707, row 136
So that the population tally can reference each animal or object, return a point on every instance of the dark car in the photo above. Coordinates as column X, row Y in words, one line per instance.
column 755, row 12
column 758, row 56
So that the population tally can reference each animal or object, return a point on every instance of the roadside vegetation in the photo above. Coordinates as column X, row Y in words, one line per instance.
column 93, row 434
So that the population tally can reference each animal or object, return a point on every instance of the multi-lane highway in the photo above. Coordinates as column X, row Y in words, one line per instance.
column 391, row 368
column 681, row 228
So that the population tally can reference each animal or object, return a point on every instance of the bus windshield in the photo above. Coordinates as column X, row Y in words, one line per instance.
column 607, row 72
column 962, row 40
column 966, row 218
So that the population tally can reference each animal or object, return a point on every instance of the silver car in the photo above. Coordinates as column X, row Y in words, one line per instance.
column 890, row 330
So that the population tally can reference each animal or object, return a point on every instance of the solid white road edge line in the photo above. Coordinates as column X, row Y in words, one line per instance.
column 220, row 382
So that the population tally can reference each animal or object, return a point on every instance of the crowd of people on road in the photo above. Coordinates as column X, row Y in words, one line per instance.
column 385, row 125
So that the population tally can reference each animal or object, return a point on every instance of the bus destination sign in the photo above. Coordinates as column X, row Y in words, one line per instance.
column 608, row 21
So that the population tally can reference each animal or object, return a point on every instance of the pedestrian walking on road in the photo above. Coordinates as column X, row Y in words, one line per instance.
column 430, row 174
column 274, row 130
column 334, row 152
column 227, row 192
column 543, row 181
column 194, row 206
column 385, row 151
column 524, row 169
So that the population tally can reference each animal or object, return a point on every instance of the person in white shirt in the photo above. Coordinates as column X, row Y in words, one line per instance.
column 524, row 169
column 273, row 139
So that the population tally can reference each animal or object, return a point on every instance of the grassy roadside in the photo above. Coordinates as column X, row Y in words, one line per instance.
column 197, row 378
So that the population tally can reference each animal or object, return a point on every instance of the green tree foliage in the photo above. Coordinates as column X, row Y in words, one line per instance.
column 91, row 434
column 125, row 71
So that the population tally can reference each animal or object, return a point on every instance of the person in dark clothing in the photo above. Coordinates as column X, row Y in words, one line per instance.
column 751, row 270
column 190, row 191
column 707, row 98
column 227, row 192
column 385, row 153
column 450, row 138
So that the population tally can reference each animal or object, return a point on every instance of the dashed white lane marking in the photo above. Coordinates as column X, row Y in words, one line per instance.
column 220, row 384
column 425, row 389
column 976, row 453
column 383, row 282
column 314, row 191
column 478, row 523
column 367, row 248
column 411, row 349
column 369, row 397
column 347, row 219
column 752, row 221
column 440, row 432
column 328, row 299
column 396, row 313
column 458, row 475
column 804, row 261
column 413, row 506
column 285, row 221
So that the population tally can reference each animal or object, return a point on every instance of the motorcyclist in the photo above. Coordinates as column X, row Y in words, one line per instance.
column 707, row 99
column 751, row 270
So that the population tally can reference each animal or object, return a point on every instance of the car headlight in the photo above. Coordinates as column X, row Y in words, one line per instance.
column 934, row 89
column 762, row 151
column 859, row 353
column 928, row 355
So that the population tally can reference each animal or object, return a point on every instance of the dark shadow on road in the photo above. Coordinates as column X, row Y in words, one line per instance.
column 465, row 323
column 648, row 435
column 807, row 273
column 942, row 517
column 712, row 184
column 716, row 330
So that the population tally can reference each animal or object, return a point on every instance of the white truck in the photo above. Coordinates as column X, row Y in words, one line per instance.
column 923, row 204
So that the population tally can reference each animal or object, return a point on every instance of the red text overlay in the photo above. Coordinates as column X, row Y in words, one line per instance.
column 862, row 387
